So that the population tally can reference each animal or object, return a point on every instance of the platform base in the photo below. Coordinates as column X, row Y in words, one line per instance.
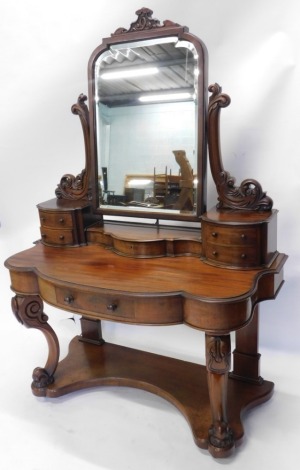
column 182, row 383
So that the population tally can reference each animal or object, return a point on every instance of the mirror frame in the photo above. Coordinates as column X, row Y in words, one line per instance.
column 144, row 28
column 248, row 196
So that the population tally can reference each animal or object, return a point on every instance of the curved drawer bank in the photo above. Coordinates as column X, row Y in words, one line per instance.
column 146, row 242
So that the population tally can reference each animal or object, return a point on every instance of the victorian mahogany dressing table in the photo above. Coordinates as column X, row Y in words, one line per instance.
column 159, row 273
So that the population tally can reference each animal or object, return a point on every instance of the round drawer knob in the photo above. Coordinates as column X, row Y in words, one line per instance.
column 214, row 234
column 61, row 237
column 111, row 307
column 61, row 221
column 215, row 253
column 243, row 256
column 243, row 236
column 69, row 299
column 43, row 236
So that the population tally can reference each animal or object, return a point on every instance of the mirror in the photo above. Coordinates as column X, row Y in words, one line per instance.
column 148, row 113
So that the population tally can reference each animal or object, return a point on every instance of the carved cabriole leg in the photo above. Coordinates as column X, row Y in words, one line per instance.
column 218, row 358
column 29, row 311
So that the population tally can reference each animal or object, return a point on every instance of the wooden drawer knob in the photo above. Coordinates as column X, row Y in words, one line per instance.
column 61, row 237
column 69, row 299
column 214, row 234
column 111, row 307
column 243, row 256
column 215, row 253
column 61, row 221
column 243, row 236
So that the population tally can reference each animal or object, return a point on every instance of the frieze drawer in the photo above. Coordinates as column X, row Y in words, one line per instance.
column 111, row 306
column 145, row 310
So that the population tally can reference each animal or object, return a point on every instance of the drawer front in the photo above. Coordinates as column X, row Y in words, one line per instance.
column 56, row 219
column 138, row 310
column 231, row 235
column 247, row 256
column 105, row 305
column 57, row 237
column 140, row 249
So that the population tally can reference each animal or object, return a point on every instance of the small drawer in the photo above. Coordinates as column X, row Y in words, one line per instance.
column 235, row 255
column 140, row 249
column 104, row 305
column 57, row 237
column 231, row 235
column 56, row 219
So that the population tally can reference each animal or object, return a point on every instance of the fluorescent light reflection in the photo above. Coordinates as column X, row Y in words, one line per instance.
column 166, row 97
column 141, row 72
column 139, row 182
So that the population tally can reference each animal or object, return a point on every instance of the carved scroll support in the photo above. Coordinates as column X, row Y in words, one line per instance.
column 78, row 187
column 249, row 195
column 218, row 358
column 29, row 312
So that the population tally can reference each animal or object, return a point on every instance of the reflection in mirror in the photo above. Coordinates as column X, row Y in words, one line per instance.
column 146, row 101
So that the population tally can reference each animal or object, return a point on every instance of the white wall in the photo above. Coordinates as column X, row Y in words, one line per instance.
column 254, row 55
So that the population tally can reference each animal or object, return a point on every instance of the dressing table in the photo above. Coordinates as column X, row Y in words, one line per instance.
column 154, row 255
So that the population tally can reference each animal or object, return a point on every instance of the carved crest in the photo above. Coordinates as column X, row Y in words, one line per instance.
column 144, row 22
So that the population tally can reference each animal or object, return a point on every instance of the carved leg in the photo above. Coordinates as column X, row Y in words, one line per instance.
column 245, row 356
column 218, row 355
column 29, row 311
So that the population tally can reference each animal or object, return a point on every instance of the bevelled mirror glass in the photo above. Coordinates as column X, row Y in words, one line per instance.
column 148, row 88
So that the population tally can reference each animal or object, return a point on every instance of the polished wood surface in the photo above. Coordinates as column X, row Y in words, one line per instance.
column 98, row 269
column 239, row 239
column 142, row 241
column 99, row 284
column 182, row 383
column 211, row 278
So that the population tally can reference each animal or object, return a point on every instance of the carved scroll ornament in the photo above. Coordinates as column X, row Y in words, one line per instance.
column 77, row 187
column 29, row 311
column 144, row 22
column 249, row 195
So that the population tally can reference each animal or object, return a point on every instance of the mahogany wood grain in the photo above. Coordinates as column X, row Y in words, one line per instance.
column 146, row 241
column 160, row 290
column 182, row 383
column 211, row 281
column 94, row 281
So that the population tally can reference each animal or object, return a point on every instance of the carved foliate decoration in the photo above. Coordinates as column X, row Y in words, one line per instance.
column 218, row 354
column 249, row 195
column 78, row 187
column 144, row 22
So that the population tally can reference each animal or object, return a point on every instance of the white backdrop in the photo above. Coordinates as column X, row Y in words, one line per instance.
column 253, row 53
